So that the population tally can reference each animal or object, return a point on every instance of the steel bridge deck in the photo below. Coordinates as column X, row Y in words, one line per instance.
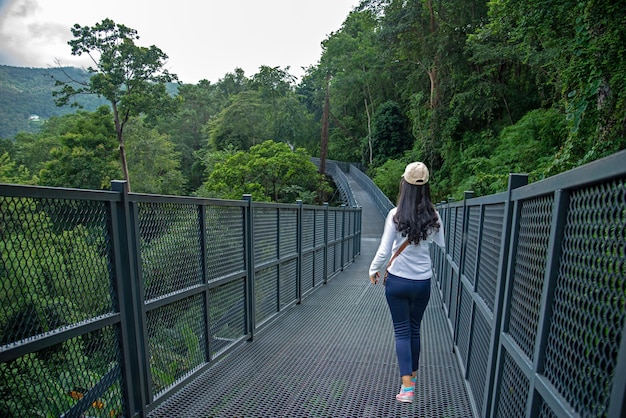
column 331, row 356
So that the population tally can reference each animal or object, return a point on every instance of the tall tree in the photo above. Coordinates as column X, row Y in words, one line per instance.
column 357, row 81
column 130, row 77
column 324, row 146
column 287, row 118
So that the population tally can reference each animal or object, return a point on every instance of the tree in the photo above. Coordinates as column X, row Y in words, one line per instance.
column 10, row 175
column 85, row 156
column 353, row 63
column 198, row 104
column 269, row 171
column 390, row 134
column 130, row 77
column 33, row 150
column 242, row 124
column 286, row 117
column 154, row 164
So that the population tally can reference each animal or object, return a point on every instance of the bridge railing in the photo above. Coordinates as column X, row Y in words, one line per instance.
column 110, row 301
column 337, row 170
column 534, row 286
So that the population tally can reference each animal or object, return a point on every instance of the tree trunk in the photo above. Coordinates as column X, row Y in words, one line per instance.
column 432, row 71
column 369, row 130
column 119, row 130
column 324, row 146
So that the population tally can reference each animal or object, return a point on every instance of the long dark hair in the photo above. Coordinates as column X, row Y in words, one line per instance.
column 415, row 216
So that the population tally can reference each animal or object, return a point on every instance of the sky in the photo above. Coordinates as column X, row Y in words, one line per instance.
column 203, row 39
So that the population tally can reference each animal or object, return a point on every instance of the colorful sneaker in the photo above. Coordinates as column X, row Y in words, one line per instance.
column 406, row 394
column 414, row 381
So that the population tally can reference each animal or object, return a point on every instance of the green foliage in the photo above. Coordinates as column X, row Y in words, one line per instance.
column 390, row 135
column 175, row 349
column 241, row 124
column 460, row 71
column 11, row 175
column 33, row 150
column 198, row 104
column 526, row 147
column 356, row 67
column 152, row 160
column 45, row 286
column 86, row 156
column 463, row 71
column 266, row 109
column 270, row 171
column 577, row 64
column 130, row 77
column 26, row 98
column 387, row 178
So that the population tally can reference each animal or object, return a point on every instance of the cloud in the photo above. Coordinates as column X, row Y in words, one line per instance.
column 203, row 39
column 29, row 38
column 23, row 8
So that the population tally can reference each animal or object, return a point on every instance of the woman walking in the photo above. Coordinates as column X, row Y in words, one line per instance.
column 409, row 228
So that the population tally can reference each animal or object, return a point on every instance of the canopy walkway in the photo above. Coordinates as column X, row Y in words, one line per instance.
column 122, row 304
column 332, row 356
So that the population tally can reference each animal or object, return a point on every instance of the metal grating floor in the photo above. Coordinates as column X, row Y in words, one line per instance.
column 331, row 356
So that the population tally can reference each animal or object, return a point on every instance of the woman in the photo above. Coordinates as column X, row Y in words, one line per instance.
column 407, row 287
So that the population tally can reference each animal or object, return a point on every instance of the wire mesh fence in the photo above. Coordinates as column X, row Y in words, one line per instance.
column 534, row 285
column 110, row 301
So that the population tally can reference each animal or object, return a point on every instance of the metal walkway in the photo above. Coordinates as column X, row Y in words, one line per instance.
column 331, row 356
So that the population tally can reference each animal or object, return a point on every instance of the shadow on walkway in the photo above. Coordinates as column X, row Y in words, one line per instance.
column 331, row 356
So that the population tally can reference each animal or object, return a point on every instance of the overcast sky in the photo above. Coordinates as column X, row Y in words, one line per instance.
column 203, row 39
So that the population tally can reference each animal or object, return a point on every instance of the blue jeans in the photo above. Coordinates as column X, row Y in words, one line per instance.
column 407, row 300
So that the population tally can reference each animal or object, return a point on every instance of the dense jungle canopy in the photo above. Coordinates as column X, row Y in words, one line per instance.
column 476, row 89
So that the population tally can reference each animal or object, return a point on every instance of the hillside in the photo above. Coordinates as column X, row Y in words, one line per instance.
column 26, row 97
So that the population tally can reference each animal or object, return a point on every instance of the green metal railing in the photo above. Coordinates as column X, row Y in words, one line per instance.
column 534, row 286
column 110, row 301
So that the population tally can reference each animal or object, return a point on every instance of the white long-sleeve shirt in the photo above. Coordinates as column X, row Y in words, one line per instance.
column 414, row 261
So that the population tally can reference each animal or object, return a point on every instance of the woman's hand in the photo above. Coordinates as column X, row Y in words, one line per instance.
column 374, row 278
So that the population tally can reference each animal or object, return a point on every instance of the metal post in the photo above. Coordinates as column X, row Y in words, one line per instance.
column 448, row 258
column 249, row 257
column 466, row 196
column 343, row 236
column 508, row 246
column 279, row 270
column 135, row 383
column 205, row 280
column 325, row 242
column 299, row 245
column 559, row 217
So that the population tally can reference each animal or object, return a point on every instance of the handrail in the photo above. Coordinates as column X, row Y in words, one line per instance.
column 534, row 286
column 115, row 300
column 383, row 204
column 336, row 170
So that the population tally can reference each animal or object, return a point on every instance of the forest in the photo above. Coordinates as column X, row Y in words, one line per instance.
column 475, row 89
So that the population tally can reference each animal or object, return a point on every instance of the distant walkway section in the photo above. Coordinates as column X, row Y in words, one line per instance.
column 331, row 356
